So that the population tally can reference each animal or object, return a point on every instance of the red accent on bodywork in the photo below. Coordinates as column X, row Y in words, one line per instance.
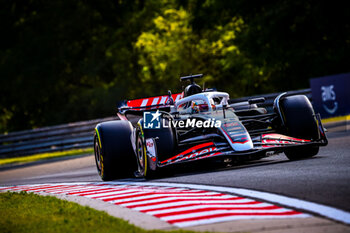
column 190, row 150
column 144, row 102
column 207, row 156
column 273, row 140
column 283, row 137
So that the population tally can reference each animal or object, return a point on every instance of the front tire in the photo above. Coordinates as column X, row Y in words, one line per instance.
column 114, row 155
column 165, row 146
column 143, row 166
column 300, row 122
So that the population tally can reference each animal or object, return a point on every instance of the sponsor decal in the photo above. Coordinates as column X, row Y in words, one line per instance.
column 199, row 153
column 150, row 144
column 272, row 140
column 231, row 124
column 235, row 132
column 330, row 95
column 275, row 142
column 330, row 104
column 283, row 137
column 192, row 152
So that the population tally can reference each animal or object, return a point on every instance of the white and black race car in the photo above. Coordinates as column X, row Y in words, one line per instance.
column 196, row 125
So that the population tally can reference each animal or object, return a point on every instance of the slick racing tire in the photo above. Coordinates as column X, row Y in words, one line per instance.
column 165, row 144
column 114, row 155
column 300, row 122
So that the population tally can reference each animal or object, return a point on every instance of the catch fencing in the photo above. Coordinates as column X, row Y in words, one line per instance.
column 79, row 135
column 63, row 137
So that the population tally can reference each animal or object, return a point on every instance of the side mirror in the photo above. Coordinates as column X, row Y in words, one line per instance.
column 256, row 100
column 170, row 98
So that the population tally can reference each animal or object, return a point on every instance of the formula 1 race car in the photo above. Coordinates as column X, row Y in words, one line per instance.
column 197, row 125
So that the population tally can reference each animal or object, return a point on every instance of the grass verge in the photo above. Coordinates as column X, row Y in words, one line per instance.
column 28, row 212
column 36, row 157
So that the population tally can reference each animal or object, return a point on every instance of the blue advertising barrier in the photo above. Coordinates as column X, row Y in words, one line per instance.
column 331, row 95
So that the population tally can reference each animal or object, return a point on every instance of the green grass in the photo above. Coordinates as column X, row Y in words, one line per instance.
column 28, row 212
column 36, row 157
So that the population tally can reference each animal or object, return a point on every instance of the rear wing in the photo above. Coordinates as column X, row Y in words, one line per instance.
column 144, row 104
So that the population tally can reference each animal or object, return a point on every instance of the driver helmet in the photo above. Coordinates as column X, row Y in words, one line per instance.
column 195, row 107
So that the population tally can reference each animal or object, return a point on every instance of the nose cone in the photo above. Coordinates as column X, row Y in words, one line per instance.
column 237, row 135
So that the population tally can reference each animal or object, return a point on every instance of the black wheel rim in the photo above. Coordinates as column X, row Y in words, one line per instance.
column 140, row 154
column 98, row 157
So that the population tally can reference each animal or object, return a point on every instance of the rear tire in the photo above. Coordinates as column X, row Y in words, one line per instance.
column 300, row 122
column 114, row 155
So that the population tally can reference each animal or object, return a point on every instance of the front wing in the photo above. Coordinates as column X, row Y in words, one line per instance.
column 269, row 142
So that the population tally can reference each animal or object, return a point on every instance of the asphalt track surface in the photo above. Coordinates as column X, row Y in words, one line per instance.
column 324, row 179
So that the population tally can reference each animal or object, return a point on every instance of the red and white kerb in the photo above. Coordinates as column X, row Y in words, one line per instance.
column 181, row 207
